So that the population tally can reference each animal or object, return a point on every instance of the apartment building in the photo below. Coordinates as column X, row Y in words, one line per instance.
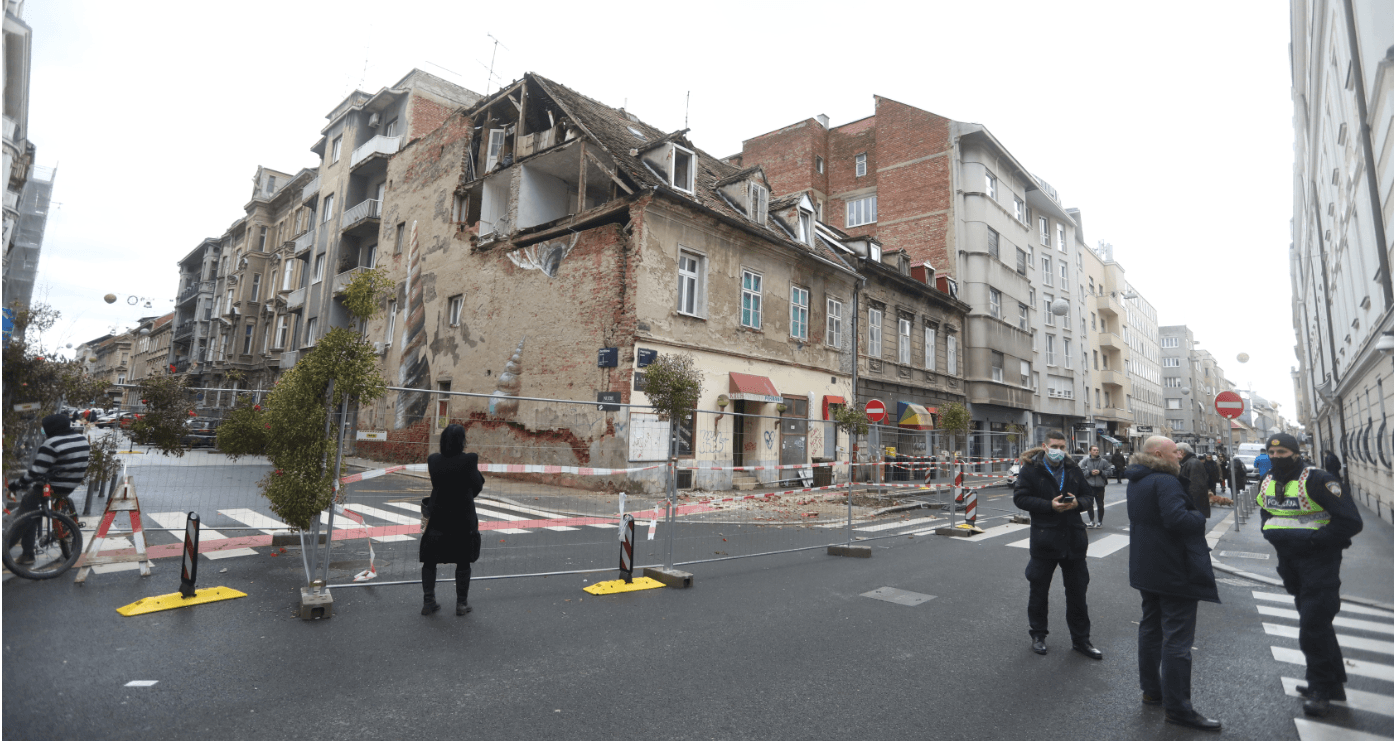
column 150, row 352
column 1190, row 414
column 1131, row 341
column 1110, row 385
column 580, row 243
column 1341, row 250
column 950, row 195
column 21, row 259
column 193, row 326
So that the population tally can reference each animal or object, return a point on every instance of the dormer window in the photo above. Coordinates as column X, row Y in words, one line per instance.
column 683, row 173
column 806, row 233
column 638, row 134
column 874, row 252
column 757, row 199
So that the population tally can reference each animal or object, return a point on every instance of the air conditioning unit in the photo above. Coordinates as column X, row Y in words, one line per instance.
column 373, row 121
column 380, row 348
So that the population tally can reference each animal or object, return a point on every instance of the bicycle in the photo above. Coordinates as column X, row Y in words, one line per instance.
column 57, row 538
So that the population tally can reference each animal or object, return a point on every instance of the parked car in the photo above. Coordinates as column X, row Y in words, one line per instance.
column 202, row 432
column 128, row 418
column 106, row 420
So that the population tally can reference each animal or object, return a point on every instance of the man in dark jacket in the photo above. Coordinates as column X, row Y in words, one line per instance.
column 1307, row 517
column 1332, row 465
column 1213, row 473
column 1238, row 474
column 1053, row 490
column 1194, row 476
column 1169, row 565
column 1118, row 461
column 1096, row 469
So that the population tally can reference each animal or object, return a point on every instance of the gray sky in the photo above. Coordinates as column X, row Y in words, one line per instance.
column 1170, row 130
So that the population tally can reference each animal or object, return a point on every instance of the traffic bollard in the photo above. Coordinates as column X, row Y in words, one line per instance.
column 189, row 570
column 627, row 550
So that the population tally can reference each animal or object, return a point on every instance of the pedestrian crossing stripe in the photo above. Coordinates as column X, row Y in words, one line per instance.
column 1370, row 702
column 1368, row 669
column 1346, row 607
column 1344, row 640
column 1310, row 731
column 1338, row 622
column 914, row 523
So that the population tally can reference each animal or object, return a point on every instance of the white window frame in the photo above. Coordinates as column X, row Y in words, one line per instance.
column 799, row 312
column 875, row 333
column 930, row 351
column 286, row 277
column 1061, row 237
column 996, row 371
column 819, row 164
column 319, row 273
column 860, row 165
column 328, row 208
column 758, row 201
column 1066, row 353
column 688, row 185
column 335, row 148
column 392, row 323
column 833, row 322
column 991, row 185
column 751, row 299
column 256, row 286
column 455, row 305
column 805, row 219
column 1169, row 342
column 311, row 325
column 903, row 341
column 995, row 303
column 1046, row 271
column 952, row 355
column 1020, row 210
column 281, row 328
column 1044, row 235
column 1173, row 403
column 1171, row 362
column 493, row 146
column 692, row 284
column 1064, row 273
column 1051, row 350
column 861, row 211
column 1022, row 316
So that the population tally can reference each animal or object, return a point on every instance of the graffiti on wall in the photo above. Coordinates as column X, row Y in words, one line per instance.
column 504, row 401
column 415, row 370
column 545, row 257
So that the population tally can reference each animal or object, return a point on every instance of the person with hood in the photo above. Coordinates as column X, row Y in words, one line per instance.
column 1118, row 461
column 1170, row 566
column 62, row 462
column 1194, row 476
column 1238, row 474
column 1305, row 515
column 1052, row 488
column 1332, row 465
column 1096, row 469
column 452, row 534
column 1213, row 473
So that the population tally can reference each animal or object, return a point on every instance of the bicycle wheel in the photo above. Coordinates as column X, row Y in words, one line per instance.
column 64, row 506
column 57, row 544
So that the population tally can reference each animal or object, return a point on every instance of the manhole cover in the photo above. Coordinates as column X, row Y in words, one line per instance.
column 899, row 596
column 1243, row 554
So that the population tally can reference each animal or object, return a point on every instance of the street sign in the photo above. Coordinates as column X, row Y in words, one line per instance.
column 876, row 411
column 1229, row 404
column 372, row 435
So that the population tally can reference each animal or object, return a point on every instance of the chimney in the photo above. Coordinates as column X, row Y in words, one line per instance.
column 823, row 120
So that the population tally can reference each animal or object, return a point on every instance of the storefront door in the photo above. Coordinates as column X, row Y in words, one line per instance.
column 794, row 431
column 738, row 433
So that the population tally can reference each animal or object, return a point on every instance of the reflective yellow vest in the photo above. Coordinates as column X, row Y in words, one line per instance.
column 1296, row 511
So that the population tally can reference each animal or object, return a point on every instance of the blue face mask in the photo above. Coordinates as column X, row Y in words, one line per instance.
column 1055, row 456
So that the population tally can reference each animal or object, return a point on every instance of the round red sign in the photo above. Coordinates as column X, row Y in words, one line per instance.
column 1229, row 404
column 876, row 411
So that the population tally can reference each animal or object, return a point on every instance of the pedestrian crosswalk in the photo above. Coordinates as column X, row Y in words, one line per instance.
column 1365, row 635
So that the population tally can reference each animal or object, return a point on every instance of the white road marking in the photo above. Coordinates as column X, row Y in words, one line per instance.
column 1311, row 731
column 894, row 525
column 511, row 518
column 176, row 521
column 1370, row 702
column 1107, row 545
column 992, row 532
column 1344, row 640
column 141, row 683
column 1354, row 609
column 1353, row 666
column 1340, row 622
column 269, row 525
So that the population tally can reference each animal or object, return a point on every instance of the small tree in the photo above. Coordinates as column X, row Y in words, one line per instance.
column 168, row 407
column 673, row 383
column 854, row 423
column 954, row 419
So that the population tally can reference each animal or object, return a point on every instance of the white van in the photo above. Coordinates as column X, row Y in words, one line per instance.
column 1247, row 452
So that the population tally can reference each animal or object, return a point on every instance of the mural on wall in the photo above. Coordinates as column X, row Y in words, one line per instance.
column 504, row 401
column 545, row 257
column 415, row 369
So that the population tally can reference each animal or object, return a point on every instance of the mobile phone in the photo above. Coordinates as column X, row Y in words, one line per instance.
column 1068, row 499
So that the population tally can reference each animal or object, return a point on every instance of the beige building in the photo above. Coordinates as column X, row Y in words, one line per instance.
column 152, row 340
column 1110, row 385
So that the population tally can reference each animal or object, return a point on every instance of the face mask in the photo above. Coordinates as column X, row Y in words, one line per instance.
column 1285, row 466
column 1055, row 456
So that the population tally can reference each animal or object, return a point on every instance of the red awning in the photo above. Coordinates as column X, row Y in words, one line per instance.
column 832, row 400
column 746, row 387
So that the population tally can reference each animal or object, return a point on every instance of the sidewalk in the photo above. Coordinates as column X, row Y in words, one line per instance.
column 1367, row 566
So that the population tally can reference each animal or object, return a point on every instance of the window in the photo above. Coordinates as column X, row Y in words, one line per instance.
column 392, row 323
column 1092, row 320
column 256, row 286
column 806, row 234
column 1046, row 271
column 281, row 332
column 757, row 200
column 751, row 299
column 262, row 239
column 1032, row 296
column 996, row 365
column 1051, row 349
column 397, row 238
column 328, row 208
column 121, row 378
column 1020, row 210
column 1097, row 398
column 271, row 184
column 860, row 165
column 862, row 211
column 995, row 303
column 1022, row 316
column 1107, row 399
column 456, row 303
column 391, row 128
column 1061, row 237
column 247, row 339
column 874, row 252
column 904, row 341
column 334, row 149
column 1171, row 362
column 691, row 284
column 991, row 185
column 493, row 148
column 228, row 306
column 1174, row 403
column 799, row 312
column 1025, row 373
column 1022, row 263
column 1042, row 232
column 1063, row 271
column 319, row 274
column 1066, row 353
column 994, row 243
column 952, row 356
column 833, row 322
column 875, row 333
column 1048, row 317
column 371, row 257
column 1091, row 282
column 286, row 277
column 683, row 174
column 1168, row 342
column 819, row 164
column 1172, row 382
column 930, row 360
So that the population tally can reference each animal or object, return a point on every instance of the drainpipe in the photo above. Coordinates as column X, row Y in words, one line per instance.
column 1369, row 161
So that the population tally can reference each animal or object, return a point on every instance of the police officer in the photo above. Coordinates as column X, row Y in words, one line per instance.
column 1306, row 517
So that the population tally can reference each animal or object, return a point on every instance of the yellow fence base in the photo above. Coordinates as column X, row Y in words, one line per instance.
column 619, row 585
column 171, row 601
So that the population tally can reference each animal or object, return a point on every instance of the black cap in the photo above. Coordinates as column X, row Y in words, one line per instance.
column 57, row 424
column 1284, row 441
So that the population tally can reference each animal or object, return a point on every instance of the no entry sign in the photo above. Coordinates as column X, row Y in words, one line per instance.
column 876, row 411
column 1229, row 404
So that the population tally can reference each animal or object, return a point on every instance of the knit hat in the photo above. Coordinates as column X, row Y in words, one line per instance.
column 1284, row 441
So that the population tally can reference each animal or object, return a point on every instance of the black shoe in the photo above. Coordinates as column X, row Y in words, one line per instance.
column 1306, row 693
column 1039, row 646
column 25, row 560
column 1317, row 705
column 1193, row 720
column 1148, row 699
column 462, row 608
column 1086, row 648
column 430, row 607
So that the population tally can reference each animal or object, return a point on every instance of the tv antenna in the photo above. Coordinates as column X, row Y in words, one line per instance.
column 493, row 52
column 686, row 95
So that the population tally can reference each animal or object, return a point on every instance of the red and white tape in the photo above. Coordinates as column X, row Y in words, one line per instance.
column 783, row 467
column 499, row 468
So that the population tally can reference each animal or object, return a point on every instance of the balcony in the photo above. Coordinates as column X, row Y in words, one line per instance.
column 361, row 219
column 1112, row 378
column 11, row 200
column 1109, row 414
column 1111, row 341
column 1106, row 304
column 378, row 145
column 181, row 366
column 11, row 127
column 341, row 281
column 184, row 331
column 288, row 358
column 310, row 190
column 295, row 299
column 301, row 246
column 193, row 290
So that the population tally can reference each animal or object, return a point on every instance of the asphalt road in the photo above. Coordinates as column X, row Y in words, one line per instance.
column 777, row 647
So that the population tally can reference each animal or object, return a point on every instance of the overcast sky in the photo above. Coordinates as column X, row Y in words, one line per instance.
column 1170, row 130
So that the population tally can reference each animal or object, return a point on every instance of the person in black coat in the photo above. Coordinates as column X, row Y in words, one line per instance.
column 1332, row 465
column 1053, row 489
column 1118, row 461
column 452, row 533
column 1170, row 566
column 1213, row 473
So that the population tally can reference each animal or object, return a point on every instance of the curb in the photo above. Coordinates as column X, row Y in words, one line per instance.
column 1277, row 583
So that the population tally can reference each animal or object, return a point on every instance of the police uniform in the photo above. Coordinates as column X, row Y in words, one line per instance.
column 1309, row 520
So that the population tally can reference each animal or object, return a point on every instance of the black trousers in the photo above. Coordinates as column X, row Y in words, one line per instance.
column 1075, row 576
column 1098, row 492
column 1313, row 580
column 1165, row 650
column 30, row 502
column 462, row 582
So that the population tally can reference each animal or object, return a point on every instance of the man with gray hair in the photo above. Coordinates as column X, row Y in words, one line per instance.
column 1170, row 566
column 1194, row 474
